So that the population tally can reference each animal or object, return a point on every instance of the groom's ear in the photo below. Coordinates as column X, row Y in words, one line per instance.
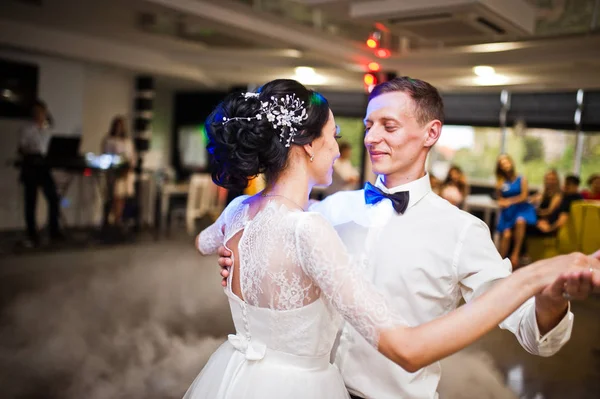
column 433, row 129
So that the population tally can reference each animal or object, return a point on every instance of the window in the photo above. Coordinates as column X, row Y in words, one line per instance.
column 590, row 158
column 192, row 147
column 352, row 131
column 535, row 151
column 473, row 149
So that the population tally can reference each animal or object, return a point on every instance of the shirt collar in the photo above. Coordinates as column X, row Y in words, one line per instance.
column 417, row 189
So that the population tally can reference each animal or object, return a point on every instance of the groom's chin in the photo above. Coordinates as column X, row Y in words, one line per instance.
column 379, row 169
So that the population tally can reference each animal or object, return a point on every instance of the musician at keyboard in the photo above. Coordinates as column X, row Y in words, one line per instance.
column 34, row 140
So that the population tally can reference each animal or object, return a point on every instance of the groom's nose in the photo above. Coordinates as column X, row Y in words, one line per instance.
column 373, row 136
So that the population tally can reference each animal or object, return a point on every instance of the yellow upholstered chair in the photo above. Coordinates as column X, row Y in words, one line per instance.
column 580, row 233
column 542, row 247
column 586, row 217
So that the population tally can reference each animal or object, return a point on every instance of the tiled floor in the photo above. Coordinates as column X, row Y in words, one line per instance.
column 140, row 320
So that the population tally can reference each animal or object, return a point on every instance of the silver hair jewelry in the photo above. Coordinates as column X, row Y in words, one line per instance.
column 283, row 112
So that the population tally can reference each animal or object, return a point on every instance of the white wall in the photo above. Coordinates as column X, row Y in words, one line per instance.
column 107, row 92
column 60, row 85
column 83, row 99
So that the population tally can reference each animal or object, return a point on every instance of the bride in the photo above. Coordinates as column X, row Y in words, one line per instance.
column 292, row 282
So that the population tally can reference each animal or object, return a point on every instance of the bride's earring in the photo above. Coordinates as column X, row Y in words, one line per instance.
column 312, row 157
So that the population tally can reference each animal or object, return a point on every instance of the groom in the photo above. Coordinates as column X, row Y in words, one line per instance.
column 424, row 253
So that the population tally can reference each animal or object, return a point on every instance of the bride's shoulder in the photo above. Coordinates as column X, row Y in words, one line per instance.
column 236, row 205
column 311, row 217
column 238, row 202
column 311, row 223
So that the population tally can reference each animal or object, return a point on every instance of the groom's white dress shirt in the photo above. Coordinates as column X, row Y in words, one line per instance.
column 424, row 260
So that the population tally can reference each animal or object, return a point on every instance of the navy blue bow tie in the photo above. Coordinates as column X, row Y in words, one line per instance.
column 399, row 200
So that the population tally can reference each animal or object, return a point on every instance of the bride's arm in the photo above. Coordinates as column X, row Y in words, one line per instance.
column 417, row 347
column 211, row 238
column 325, row 260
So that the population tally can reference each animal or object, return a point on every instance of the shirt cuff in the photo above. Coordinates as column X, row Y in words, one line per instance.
column 554, row 339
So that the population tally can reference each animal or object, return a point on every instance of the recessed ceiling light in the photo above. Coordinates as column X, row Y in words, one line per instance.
column 495, row 47
column 484, row 70
column 303, row 71
column 308, row 76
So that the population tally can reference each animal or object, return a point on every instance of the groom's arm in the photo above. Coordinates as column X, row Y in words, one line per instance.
column 540, row 327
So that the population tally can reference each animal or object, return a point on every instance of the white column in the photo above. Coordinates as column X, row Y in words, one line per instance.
column 580, row 134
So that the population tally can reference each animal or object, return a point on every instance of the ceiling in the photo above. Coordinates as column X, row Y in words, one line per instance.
column 532, row 45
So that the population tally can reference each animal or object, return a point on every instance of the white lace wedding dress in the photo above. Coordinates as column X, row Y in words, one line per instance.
column 296, row 281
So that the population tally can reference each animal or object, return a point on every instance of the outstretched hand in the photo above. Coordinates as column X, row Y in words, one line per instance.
column 225, row 262
column 580, row 278
column 570, row 277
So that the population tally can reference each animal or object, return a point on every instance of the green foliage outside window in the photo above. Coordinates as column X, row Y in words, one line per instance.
column 535, row 151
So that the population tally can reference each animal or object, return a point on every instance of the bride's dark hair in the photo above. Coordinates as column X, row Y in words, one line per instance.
column 241, row 149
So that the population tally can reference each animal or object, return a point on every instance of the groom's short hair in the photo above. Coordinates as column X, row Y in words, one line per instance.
column 428, row 102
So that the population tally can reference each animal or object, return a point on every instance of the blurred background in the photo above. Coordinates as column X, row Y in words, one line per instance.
column 105, row 181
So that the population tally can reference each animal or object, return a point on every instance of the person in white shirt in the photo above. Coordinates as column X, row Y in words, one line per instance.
column 422, row 252
column 34, row 139
column 118, row 143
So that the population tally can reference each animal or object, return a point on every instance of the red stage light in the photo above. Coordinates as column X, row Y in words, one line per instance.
column 373, row 67
column 370, row 79
column 383, row 53
column 373, row 40
column 372, row 43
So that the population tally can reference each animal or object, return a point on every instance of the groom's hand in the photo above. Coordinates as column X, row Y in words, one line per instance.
column 580, row 280
column 225, row 263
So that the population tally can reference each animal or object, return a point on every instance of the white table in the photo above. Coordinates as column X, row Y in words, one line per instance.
column 485, row 203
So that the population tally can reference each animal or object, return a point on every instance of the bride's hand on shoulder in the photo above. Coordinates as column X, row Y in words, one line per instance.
column 225, row 263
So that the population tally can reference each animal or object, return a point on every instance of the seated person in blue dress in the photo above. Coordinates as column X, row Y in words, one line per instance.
column 516, row 211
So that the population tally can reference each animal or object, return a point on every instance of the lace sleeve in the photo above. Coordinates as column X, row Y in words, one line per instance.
column 209, row 239
column 324, row 258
